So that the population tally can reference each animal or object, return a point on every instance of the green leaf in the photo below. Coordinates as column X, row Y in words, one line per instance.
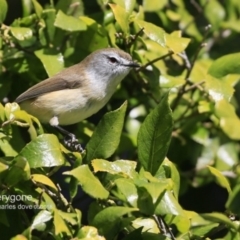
column 40, row 220
column 19, row 170
column 126, row 191
column 233, row 200
column 21, row 33
column 176, row 43
column 38, row 8
column 123, row 167
column 128, row 5
column 44, row 151
column 154, row 32
column 218, row 89
column 89, row 183
column 44, row 180
column 121, row 17
column 106, row 136
column 169, row 205
column 109, row 219
column 147, row 225
column 228, row 64
column 4, row 9
column 221, row 180
column 90, row 233
column 150, row 195
column 153, row 5
column 52, row 60
column 69, row 23
column 154, row 136
column 220, row 218
column 59, row 224
column 229, row 121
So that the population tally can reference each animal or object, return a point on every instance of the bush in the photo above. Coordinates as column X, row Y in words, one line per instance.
column 170, row 131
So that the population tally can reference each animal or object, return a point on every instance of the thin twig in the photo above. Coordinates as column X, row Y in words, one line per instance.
column 134, row 38
column 154, row 60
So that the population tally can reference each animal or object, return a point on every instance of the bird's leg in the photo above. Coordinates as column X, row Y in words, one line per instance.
column 70, row 139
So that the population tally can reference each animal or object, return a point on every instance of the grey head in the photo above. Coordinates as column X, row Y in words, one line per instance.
column 109, row 64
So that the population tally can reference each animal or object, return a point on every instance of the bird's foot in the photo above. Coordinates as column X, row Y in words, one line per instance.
column 71, row 142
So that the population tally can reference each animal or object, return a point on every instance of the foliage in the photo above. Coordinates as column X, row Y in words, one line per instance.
column 178, row 129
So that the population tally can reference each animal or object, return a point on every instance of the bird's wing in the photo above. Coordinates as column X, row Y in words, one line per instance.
column 55, row 83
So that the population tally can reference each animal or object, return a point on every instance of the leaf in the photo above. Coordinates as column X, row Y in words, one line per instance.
column 233, row 200
column 89, row 183
column 229, row 121
column 44, row 180
column 90, row 233
column 228, row 64
column 150, row 195
column 153, row 5
column 126, row 191
column 169, row 205
column 220, row 218
column 109, row 219
column 121, row 17
column 106, row 136
column 69, row 23
column 44, row 151
column 221, row 180
column 128, row 5
column 59, row 224
column 176, row 44
column 38, row 8
column 124, row 167
column 154, row 136
column 218, row 89
column 154, row 32
column 52, row 60
column 4, row 9
column 40, row 220
column 147, row 225
column 19, row 170
column 21, row 33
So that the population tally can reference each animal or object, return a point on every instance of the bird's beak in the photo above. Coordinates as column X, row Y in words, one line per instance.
column 132, row 64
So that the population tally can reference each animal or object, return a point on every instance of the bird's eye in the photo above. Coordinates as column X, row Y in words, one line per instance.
column 113, row 60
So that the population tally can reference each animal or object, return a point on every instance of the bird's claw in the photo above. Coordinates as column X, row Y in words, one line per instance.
column 71, row 142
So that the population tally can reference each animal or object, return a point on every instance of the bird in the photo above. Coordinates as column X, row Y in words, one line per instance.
column 77, row 92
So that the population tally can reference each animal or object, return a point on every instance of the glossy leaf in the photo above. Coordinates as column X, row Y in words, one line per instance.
column 154, row 136
column 123, row 167
column 106, row 136
column 21, row 33
column 69, row 23
column 228, row 64
column 44, row 180
column 40, row 220
column 126, row 191
column 154, row 32
column 44, row 151
column 52, row 61
column 89, row 183
column 128, row 5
